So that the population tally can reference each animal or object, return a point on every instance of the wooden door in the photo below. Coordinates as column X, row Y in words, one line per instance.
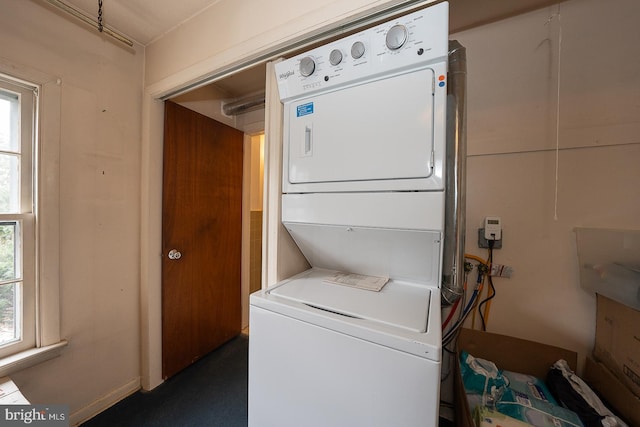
column 201, row 219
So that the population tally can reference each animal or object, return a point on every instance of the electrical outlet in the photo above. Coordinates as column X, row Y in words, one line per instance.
column 484, row 243
column 493, row 228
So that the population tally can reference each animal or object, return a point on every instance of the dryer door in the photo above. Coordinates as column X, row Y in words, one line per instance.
column 380, row 135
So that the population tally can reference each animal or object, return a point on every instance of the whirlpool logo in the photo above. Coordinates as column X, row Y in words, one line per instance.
column 284, row 76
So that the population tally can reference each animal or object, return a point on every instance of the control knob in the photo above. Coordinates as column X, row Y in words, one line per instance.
column 396, row 37
column 335, row 57
column 307, row 66
column 357, row 50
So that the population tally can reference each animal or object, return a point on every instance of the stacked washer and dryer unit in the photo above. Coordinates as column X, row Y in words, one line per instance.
column 364, row 153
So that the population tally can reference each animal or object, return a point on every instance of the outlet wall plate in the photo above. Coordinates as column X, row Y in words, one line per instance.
column 484, row 243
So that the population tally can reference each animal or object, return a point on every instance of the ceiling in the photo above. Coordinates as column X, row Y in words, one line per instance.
column 143, row 20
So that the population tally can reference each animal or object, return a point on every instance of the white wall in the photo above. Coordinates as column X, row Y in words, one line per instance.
column 513, row 70
column 209, row 101
column 232, row 30
column 99, row 204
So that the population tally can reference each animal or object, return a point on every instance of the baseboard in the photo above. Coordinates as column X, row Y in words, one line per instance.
column 104, row 402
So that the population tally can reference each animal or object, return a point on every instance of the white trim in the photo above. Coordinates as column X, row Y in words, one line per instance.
column 151, row 242
column 104, row 402
column 24, row 107
column 246, row 230
column 271, row 227
column 26, row 359
column 48, row 206
column 48, row 215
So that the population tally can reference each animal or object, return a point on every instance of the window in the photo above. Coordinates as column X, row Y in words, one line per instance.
column 30, row 123
column 18, row 114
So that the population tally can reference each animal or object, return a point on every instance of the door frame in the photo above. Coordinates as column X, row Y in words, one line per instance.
column 199, row 74
column 151, row 233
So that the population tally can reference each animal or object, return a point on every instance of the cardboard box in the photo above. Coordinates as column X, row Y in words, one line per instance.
column 618, row 341
column 508, row 353
column 528, row 357
column 616, row 396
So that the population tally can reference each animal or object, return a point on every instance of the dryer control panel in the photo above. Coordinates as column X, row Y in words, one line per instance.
column 407, row 42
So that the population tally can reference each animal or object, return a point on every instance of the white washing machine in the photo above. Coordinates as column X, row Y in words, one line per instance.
column 363, row 193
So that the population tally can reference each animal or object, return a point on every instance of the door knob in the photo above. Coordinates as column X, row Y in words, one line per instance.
column 174, row 254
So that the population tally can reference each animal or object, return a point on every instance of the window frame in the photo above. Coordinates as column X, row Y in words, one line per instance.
column 26, row 95
column 47, row 342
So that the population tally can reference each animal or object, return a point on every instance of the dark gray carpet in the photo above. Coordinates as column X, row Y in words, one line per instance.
column 211, row 392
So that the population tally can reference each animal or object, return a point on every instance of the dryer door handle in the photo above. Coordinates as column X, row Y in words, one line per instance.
column 308, row 140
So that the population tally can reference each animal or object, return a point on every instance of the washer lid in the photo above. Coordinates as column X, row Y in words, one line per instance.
column 399, row 304
column 406, row 255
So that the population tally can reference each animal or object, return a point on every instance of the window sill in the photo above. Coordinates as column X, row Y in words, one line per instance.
column 29, row 358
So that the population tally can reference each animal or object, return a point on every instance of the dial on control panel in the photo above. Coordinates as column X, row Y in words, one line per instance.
column 335, row 57
column 307, row 66
column 396, row 37
column 357, row 50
